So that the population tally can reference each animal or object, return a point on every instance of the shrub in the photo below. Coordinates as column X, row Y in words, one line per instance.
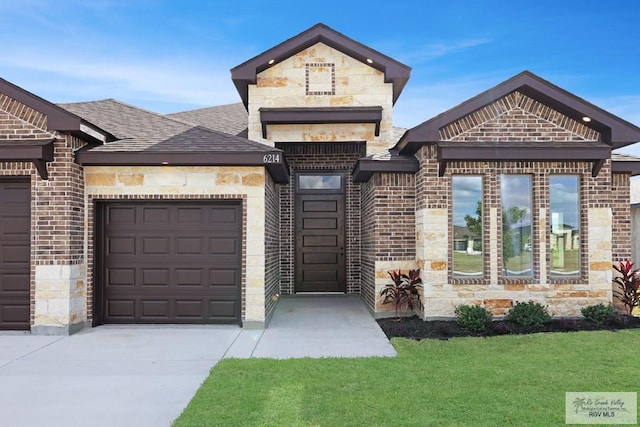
column 598, row 313
column 404, row 291
column 529, row 313
column 473, row 317
column 628, row 285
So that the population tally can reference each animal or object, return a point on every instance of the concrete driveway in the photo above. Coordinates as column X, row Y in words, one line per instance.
column 146, row 375
column 106, row 376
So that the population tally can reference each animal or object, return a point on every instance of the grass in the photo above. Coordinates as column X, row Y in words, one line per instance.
column 507, row 380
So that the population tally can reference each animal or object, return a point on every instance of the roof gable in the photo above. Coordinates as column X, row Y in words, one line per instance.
column 57, row 118
column 614, row 131
column 517, row 118
column 245, row 74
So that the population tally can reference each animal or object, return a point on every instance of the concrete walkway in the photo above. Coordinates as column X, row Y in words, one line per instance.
column 316, row 326
column 146, row 375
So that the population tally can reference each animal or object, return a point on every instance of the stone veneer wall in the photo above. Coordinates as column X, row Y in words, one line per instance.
column 271, row 246
column 321, row 157
column 347, row 82
column 104, row 183
column 564, row 296
column 58, row 268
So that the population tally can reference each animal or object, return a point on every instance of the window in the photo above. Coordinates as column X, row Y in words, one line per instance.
column 517, row 250
column 467, row 257
column 320, row 182
column 565, row 225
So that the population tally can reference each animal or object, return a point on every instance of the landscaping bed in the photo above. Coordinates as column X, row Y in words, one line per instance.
column 415, row 328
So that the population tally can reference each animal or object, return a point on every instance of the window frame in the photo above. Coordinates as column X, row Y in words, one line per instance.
column 481, row 278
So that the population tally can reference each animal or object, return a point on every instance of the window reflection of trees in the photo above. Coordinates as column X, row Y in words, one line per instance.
column 467, row 257
column 565, row 225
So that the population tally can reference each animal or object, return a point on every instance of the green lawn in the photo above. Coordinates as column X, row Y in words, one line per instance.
column 499, row 381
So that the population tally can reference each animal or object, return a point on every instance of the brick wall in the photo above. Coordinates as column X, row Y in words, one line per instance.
column 327, row 157
column 58, row 271
column 389, row 227
column 368, row 244
column 512, row 119
column 516, row 117
column 271, row 246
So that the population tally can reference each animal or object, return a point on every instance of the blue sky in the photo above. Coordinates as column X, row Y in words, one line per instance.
column 169, row 55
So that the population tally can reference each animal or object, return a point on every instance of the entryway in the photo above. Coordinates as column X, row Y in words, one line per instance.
column 320, row 232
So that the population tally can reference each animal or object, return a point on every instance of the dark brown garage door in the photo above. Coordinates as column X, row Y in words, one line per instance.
column 15, row 238
column 174, row 262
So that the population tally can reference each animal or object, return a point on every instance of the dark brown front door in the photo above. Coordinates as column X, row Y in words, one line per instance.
column 15, row 236
column 171, row 262
column 320, row 241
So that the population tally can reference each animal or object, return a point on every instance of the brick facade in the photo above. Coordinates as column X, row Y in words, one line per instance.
column 388, row 232
column 272, row 244
column 517, row 118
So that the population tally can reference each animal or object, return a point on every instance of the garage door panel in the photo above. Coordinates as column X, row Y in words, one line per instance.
column 155, row 246
column 189, row 277
column 121, row 246
column 155, row 277
column 14, row 253
column 180, row 260
column 223, row 310
column 12, row 315
column 223, row 246
column 15, row 241
column 120, row 277
column 190, row 309
column 156, row 309
column 13, row 225
column 224, row 215
column 120, row 215
column 223, row 277
column 190, row 215
column 189, row 245
column 155, row 215
column 12, row 284
column 121, row 309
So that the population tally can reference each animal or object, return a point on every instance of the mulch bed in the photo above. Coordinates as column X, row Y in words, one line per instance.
column 415, row 328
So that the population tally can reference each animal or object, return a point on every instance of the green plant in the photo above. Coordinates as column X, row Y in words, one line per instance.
column 473, row 317
column 598, row 313
column 529, row 313
column 629, row 285
column 404, row 291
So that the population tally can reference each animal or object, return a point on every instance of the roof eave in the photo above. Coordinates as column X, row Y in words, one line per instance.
column 273, row 161
column 365, row 167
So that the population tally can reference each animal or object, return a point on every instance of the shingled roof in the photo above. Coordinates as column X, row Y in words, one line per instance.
column 148, row 138
column 127, row 121
column 228, row 118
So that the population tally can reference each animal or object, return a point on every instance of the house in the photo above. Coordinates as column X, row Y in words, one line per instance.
column 114, row 214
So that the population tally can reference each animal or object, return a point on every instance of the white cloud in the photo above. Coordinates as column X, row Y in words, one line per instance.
column 419, row 54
